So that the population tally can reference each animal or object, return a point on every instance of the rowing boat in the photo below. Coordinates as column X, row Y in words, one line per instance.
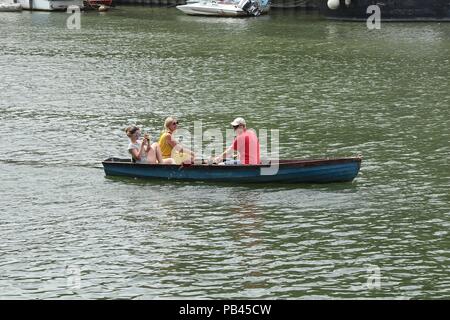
column 288, row 171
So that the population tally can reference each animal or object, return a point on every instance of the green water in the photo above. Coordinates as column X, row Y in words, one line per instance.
column 331, row 88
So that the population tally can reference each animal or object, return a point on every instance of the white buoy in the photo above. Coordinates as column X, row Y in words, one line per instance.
column 333, row 4
column 348, row 2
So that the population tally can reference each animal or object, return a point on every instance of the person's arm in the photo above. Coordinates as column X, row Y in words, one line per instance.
column 137, row 154
column 171, row 141
column 227, row 152
column 178, row 146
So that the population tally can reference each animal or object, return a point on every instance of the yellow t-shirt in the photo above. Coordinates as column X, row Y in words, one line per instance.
column 166, row 148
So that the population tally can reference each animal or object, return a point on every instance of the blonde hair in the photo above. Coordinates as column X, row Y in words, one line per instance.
column 167, row 123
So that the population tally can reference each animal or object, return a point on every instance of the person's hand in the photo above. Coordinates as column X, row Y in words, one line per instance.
column 187, row 162
column 144, row 142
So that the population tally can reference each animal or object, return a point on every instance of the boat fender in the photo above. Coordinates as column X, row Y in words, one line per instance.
column 333, row 4
column 103, row 8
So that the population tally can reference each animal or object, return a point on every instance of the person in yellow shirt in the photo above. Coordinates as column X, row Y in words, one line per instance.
column 171, row 148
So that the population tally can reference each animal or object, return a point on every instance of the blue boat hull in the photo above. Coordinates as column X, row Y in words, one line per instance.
column 289, row 171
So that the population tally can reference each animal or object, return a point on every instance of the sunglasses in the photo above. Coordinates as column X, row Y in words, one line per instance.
column 175, row 122
column 235, row 127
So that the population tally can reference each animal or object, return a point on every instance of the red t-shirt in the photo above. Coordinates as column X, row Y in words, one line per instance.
column 247, row 145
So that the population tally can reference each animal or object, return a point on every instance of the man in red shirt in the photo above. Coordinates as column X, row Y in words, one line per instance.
column 246, row 143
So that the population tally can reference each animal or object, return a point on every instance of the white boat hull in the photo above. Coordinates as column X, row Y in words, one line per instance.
column 212, row 9
column 10, row 7
column 50, row 5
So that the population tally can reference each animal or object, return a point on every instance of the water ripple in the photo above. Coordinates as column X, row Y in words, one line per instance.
column 332, row 89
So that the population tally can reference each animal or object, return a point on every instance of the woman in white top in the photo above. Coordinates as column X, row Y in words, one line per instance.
column 140, row 149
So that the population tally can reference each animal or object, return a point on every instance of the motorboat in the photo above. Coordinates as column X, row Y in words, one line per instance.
column 10, row 7
column 50, row 5
column 226, row 8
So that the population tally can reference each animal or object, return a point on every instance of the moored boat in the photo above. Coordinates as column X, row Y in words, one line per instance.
column 391, row 10
column 50, row 5
column 227, row 8
column 286, row 171
column 10, row 7
column 97, row 4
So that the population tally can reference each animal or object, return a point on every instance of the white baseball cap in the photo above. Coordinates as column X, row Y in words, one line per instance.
column 238, row 121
